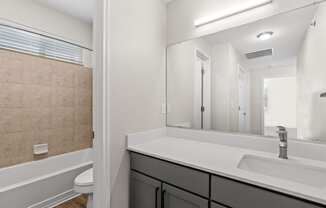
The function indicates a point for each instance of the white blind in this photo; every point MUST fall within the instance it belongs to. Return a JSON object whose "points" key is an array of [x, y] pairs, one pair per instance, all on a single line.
{"points": [[28, 42]]}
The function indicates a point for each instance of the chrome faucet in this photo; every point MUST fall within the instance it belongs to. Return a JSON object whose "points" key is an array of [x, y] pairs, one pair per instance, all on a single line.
{"points": [[283, 147]]}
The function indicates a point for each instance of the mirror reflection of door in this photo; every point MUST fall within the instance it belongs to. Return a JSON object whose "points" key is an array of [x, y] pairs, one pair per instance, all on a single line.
{"points": [[243, 100], [202, 91]]}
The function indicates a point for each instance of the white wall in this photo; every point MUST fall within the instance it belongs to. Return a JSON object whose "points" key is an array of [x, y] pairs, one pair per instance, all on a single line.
{"points": [[138, 40], [32, 16], [183, 13], [256, 92], [312, 80], [180, 76], [281, 103], [225, 100]]}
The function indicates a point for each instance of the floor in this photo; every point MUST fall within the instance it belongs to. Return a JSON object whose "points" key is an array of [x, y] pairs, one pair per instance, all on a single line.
{"points": [[79, 202]]}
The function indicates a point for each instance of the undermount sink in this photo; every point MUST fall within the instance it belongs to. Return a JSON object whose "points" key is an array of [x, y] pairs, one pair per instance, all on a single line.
{"points": [[285, 169]]}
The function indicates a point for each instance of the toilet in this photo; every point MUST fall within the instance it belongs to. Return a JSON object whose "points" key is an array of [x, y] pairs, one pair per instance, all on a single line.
{"points": [[84, 184]]}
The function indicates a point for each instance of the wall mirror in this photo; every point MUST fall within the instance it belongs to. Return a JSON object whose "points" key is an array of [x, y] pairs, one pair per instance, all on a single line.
{"points": [[252, 78]]}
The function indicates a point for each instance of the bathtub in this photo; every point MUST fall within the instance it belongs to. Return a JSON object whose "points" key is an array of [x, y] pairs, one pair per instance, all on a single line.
{"points": [[42, 183]]}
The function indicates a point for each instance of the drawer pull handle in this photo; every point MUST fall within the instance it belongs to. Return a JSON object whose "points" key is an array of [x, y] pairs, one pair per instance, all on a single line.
{"points": [[163, 198], [156, 195]]}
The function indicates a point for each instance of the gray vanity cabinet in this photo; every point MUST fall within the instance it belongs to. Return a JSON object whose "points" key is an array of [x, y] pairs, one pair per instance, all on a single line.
{"points": [[239, 195], [189, 179], [145, 192], [156, 183], [176, 198]]}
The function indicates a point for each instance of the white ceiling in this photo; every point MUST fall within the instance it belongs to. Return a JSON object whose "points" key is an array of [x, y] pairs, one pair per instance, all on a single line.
{"points": [[289, 32], [81, 9]]}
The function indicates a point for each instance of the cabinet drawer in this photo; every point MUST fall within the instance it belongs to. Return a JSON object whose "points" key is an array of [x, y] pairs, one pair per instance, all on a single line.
{"points": [[214, 205], [186, 178], [240, 195]]}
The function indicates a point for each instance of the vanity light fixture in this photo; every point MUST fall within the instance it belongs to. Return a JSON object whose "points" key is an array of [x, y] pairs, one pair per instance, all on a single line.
{"points": [[265, 35], [253, 4]]}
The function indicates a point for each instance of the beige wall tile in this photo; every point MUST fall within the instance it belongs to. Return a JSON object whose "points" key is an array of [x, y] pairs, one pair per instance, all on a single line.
{"points": [[33, 136], [11, 120], [42, 101], [84, 78], [45, 71], [11, 68], [84, 116], [30, 119], [83, 136], [35, 119], [11, 95], [62, 141], [63, 117], [14, 149], [63, 97], [45, 121], [83, 97], [30, 72], [3, 72], [15, 68], [37, 96], [64, 75]]}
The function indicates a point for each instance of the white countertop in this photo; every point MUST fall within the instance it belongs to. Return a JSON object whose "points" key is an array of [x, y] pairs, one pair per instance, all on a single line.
{"points": [[220, 160]]}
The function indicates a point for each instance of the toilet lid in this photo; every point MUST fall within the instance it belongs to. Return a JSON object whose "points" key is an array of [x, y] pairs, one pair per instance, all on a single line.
{"points": [[85, 178]]}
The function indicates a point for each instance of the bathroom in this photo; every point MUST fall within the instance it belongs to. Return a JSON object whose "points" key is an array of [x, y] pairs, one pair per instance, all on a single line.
{"points": [[162, 104], [45, 100]]}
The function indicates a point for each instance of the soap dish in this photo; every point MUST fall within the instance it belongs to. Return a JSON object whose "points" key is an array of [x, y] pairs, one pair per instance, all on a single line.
{"points": [[40, 149]]}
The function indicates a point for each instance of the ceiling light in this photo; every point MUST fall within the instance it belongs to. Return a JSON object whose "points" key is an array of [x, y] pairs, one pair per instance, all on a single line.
{"points": [[265, 35], [253, 4]]}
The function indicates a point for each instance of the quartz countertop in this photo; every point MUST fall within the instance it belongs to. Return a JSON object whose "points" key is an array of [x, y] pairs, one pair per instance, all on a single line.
{"points": [[221, 160]]}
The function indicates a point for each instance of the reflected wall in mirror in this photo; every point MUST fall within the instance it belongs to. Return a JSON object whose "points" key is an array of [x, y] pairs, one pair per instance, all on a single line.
{"points": [[252, 78]]}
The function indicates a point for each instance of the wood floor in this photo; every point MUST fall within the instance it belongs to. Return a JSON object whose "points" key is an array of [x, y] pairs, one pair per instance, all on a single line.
{"points": [[79, 202]]}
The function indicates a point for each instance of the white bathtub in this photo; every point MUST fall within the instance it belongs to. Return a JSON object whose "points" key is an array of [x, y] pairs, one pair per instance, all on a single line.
{"points": [[44, 182]]}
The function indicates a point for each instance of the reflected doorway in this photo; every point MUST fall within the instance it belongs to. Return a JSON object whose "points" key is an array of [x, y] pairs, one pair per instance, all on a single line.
{"points": [[202, 91], [244, 96]]}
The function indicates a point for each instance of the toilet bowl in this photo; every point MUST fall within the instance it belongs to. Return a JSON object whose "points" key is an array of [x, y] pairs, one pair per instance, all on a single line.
{"points": [[84, 184]]}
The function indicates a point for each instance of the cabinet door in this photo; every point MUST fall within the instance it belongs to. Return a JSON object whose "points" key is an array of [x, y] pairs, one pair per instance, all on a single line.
{"points": [[145, 192], [176, 198], [186, 178]]}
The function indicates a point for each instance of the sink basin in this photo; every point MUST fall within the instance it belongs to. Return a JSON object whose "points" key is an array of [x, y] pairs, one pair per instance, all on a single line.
{"points": [[285, 169]]}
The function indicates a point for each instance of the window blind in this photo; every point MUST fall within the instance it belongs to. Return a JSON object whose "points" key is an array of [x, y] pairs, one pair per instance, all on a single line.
{"points": [[36, 44]]}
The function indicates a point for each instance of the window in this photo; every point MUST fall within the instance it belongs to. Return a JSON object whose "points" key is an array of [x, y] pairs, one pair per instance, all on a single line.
{"points": [[36, 44]]}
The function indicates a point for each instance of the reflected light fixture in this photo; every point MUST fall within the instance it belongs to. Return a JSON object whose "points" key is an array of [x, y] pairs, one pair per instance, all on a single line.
{"points": [[253, 4], [265, 35]]}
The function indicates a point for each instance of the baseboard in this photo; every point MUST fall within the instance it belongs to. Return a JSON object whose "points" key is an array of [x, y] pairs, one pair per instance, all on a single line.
{"points": [[56, 200]]}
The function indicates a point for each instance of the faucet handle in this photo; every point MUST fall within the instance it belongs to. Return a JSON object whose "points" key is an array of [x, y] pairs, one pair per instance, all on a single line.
{"points": [[282, 132], [281, 129]]}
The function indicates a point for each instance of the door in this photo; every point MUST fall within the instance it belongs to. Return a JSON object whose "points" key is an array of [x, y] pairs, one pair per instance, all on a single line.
{"points": [[176, 198], [202, 92], [243, 100], [145, 192]]}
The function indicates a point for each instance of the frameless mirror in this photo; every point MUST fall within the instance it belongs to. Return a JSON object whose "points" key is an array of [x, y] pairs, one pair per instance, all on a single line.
{"points": [[254, 77]]}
